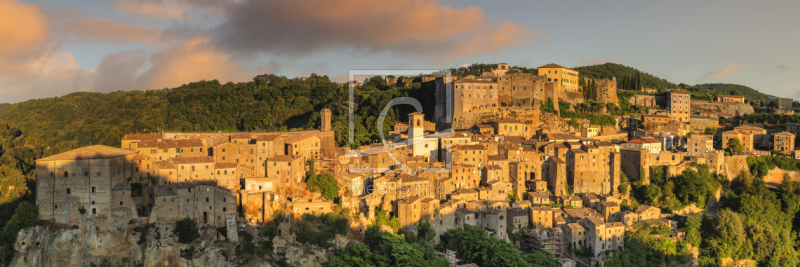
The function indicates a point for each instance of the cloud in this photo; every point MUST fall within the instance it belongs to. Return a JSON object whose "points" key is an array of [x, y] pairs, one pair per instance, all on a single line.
{"points": [[110, 31], [419, 27], [23, 28], [728, 70], [196, 59], [170, 9], [120, 71]]}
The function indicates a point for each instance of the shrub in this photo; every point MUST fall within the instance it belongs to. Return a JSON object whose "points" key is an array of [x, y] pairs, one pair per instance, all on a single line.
{"points": [[187, 230]]}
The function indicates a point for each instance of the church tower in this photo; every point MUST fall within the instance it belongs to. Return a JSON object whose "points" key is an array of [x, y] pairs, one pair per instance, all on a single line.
{"points": [[325, 115]]}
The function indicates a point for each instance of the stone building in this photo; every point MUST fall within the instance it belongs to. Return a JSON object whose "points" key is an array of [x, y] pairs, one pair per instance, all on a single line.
{"points": [[699, 145], [130, 141], [574, 235], [699, 124], [784, 142], [602, 236], [541, 217], [750, 136], [493, 221], [591, 168], [81, 178], [509, 127], [305, 147], [730, 98], [611, 211], [288, 170], [679, 105], [520, 89], [517, 219], [563, 76]]}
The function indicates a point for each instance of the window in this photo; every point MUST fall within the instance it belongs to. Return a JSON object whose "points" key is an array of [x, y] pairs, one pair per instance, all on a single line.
{"points": [[68, 192], [94, 189], [207, 200]]}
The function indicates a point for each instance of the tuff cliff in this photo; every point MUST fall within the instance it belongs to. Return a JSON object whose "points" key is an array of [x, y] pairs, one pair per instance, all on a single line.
{"points": [[92, 243]]}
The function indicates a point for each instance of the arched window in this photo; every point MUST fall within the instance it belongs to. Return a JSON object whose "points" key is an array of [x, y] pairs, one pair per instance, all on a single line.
{"points": [[417, 122]]}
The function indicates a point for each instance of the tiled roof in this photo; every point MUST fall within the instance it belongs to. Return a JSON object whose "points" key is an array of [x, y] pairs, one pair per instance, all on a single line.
{"points": [[90, 152], [241, 136], [192, 160], [561, 136], [162, 190], [680, 92], [121, 186], [165, 164], [224, 165], [183, 185], [471, 147], [267, 137], [142, 137], [180, 143], [553, 66], [731, 96], [497, 157], [505, 120]]}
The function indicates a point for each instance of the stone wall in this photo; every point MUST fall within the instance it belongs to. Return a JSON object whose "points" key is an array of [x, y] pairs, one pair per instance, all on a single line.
{"points": [[734, 165], [726, 108]]}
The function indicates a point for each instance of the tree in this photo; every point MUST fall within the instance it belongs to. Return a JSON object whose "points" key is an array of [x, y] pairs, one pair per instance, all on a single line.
{"points": [[729, 232], [24, 217], [474, 245], [623, 184], [187, 230], [326, 183], [710, 130], [425, 231], [735, 146]]}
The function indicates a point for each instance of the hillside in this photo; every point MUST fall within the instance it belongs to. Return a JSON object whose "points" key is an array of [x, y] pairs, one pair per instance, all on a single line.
{"points": [[725, 89], [608, 70], [4, 107], [702, 91], [268, 103]]}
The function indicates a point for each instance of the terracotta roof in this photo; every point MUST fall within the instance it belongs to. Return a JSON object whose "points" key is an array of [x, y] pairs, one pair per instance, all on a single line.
{"points": [[224, 165], [411, 199], [471, 147], [142, 137], [561, 136], [144, 144], [192, 160], [784, 133], [267, 137], [679, 92], [281, 158], [121, 186], [90, 152], [749, 128], [732, 96], [497, 157], [644, 208], [241, 136], [165, 164], [553, 66], [485, 126], [177, 143], [305, 137], [505, 120]]}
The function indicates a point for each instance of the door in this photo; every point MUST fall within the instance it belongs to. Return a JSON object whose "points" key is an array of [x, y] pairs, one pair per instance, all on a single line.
{"points": [[205, 216]]}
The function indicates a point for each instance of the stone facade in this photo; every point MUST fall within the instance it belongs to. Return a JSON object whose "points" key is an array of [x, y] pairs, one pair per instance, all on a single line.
{"points": [[679, 105]]}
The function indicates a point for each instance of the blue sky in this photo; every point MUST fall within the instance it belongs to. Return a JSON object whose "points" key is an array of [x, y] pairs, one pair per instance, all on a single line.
{"points": [[102, 46]]}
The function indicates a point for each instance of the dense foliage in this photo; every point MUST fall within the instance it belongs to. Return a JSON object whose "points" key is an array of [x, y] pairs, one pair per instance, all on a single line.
{"points": [[320, 230], [759, 118], [708, 90], [474, 245], [676, 192], [385, 249], [608, 70], [325, 183], [761, 165], [187, 230], [266, 103], [649, 245]]}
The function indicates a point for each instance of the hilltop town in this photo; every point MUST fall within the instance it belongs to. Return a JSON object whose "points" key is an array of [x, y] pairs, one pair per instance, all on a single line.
{"points": [[507, 152]]}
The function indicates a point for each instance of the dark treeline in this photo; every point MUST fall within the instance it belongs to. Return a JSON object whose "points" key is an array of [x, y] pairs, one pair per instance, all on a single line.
{"points": [[635, 79], [268, 103]]}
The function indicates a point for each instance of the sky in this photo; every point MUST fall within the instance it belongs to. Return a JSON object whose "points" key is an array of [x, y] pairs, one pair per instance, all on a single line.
{"points": [[53, 48]]}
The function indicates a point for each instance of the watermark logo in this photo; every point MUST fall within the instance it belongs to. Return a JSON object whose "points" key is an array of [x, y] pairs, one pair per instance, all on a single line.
{"points": [[418, 144]]}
